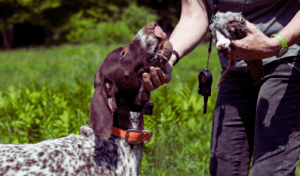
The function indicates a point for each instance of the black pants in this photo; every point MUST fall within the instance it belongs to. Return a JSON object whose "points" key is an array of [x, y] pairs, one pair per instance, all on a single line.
{"points": [[261, 120]]}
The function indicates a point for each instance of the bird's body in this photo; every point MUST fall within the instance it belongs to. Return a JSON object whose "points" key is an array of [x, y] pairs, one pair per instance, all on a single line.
{"points": [[232, 26]]}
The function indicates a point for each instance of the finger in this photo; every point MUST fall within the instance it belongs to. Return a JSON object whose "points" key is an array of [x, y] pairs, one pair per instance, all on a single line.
{"points": [[236, 43], [166, 71], [155, 79], [147, 82], [162, 76], [250, 26]]}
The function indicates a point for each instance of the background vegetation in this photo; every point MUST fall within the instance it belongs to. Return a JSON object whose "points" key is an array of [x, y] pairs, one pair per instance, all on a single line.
{"points": [[78, 21], [45, 92]]}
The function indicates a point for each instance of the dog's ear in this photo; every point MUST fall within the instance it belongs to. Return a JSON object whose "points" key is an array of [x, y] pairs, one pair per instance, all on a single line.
{"points": [[103, 106]]}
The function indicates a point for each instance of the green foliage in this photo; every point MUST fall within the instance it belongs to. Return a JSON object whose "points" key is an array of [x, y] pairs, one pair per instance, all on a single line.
{"points": [[181, 133], [53, 65], [40, 99], [121, 28], [167, 11], [36, 113], [80, 21], [181, 141]]}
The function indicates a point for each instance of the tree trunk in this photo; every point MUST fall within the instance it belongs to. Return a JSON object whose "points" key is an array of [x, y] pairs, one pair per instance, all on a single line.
{"points": [[3, 34]]}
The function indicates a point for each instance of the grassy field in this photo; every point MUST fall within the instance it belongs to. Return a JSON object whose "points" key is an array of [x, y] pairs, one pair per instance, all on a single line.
{"points": [[45, 93], [56, 65]]}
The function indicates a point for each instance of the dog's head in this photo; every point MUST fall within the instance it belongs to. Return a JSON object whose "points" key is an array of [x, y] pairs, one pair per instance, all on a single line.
{"points": [[119, 77]]}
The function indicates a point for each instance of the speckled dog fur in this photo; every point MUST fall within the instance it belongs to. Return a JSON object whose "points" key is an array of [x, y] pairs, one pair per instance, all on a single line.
{"points": [[73, 155]]}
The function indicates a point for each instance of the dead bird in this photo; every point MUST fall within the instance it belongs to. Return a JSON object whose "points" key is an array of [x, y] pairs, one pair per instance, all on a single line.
{"points": [[232, 26]]}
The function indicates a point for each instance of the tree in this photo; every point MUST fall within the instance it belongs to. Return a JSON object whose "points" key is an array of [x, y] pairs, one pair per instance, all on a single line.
{"points": [[70, 19]]}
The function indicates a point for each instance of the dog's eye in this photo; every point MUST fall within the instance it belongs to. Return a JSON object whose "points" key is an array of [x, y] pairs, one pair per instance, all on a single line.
{"points": [[123, 53]]}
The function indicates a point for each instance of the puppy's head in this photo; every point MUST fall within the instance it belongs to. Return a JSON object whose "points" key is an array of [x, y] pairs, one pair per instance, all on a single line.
{"points": [[119, 77]]}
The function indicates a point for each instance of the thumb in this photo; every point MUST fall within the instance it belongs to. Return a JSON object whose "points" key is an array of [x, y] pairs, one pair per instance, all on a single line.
{"points": [[251, 29], [250, 26], [236, 43]]}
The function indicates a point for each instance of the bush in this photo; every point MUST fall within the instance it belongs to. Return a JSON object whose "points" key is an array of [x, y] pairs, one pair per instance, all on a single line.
{"points": [[36, 113], [180, 144], [181, 133], [120, 28]]}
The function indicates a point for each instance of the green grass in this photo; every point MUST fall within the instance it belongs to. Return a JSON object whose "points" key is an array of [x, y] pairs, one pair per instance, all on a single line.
{"points": [[40, 99], [56, 65], [51, 65]]}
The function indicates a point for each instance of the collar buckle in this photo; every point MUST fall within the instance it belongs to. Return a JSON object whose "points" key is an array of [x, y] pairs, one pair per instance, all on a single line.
{"points": [[137, 131]]}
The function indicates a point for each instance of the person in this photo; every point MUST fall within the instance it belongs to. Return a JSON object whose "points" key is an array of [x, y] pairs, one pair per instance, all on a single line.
{"points": [[259, 120]]}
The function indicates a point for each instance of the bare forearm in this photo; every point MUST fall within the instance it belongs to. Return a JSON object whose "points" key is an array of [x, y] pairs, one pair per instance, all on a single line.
{"points": [[191, 28], [291, 33], [259, 46]]}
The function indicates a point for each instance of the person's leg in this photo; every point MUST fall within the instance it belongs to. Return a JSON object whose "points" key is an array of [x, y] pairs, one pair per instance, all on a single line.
{"points": [[233, 126], [277, 124]]}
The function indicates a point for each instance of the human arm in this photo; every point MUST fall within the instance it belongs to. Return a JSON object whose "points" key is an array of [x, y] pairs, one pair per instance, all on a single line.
{"points": [[191, 29], [188, 33], [259, 46]]}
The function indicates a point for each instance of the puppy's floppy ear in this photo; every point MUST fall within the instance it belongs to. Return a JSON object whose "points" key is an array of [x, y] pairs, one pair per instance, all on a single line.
{"points": [[103, 105]]}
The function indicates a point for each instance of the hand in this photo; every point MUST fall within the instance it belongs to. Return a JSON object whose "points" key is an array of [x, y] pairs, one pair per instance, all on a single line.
{"points": [[255, 45], [158, 76]]}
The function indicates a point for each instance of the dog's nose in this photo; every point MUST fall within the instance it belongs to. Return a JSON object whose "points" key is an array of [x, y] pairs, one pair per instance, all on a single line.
{"points": [[152, 25]]}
